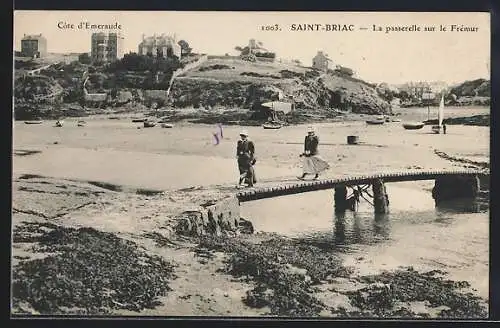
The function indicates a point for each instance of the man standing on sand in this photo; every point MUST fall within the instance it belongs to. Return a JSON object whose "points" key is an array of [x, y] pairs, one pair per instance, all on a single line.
{"points": [[245, 151], [313, 163]]}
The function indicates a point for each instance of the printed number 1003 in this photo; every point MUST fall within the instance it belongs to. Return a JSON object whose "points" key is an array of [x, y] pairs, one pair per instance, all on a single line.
{"points": [[274, 27]]}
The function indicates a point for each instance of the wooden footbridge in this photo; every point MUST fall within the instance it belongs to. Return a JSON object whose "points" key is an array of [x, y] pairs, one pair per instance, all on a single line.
{"points": [[449, 185]]}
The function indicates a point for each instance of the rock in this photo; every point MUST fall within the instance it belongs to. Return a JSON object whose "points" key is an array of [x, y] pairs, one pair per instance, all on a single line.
{"points": [[245, 226], [217, 219]]}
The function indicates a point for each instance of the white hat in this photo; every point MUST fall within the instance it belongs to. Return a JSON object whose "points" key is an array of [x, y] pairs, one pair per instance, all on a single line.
{"points": [[310, 129], [244, 133]]}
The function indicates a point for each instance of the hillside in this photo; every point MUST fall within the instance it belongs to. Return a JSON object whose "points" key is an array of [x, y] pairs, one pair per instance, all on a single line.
{"points": [[474, 88], [476, 92], [228, 83], [236, 83]]}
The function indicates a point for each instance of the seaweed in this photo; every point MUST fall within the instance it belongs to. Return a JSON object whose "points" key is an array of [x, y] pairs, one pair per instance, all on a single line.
{"points": [[410, 285], [285, 291], [88, 272]]}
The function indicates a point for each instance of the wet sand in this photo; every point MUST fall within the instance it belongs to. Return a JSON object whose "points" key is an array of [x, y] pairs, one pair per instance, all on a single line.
{"points": [[117, 152]]}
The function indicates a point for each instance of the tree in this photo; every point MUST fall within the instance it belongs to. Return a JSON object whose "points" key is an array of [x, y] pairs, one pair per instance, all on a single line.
{"points": [[243, 50], [84, 58], [185, 49], [404, 95]]}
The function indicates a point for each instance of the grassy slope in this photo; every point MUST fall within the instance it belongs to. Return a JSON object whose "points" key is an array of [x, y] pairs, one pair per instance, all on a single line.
{"points": [[241, 66]]}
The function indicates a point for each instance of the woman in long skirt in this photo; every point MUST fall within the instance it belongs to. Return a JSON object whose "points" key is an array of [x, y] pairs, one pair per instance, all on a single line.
{"points": [[313, 163]]}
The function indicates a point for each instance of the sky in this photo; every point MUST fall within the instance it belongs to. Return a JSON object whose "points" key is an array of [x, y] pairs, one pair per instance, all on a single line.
{"points": [[376, 56]]}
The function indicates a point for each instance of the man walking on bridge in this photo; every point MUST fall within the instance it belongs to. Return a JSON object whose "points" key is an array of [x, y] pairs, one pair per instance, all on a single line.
{"points": [[313, 163], [245, 151]]}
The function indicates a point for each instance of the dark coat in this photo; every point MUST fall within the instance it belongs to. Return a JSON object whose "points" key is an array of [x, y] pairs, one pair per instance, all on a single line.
{"points": [[311, 144], [245, 150]]}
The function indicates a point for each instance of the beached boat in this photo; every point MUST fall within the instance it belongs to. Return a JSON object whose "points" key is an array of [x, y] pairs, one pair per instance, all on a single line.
{"points": [[138, 120], [395, 120], [149, 124], [81, 123], [167, 125], [273, 126], [437, 128], [33, 122], [59, 124], [413, 125], [376, 121], [165, 119]]}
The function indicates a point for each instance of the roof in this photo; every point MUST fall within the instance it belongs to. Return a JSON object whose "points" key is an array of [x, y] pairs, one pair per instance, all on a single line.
{"points": [[322, 54], [96, 96], [155, 93], [34, 37], [160, 40]]}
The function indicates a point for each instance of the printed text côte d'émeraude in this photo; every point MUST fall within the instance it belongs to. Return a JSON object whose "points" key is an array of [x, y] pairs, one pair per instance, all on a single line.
{"points": [[89, 26]]}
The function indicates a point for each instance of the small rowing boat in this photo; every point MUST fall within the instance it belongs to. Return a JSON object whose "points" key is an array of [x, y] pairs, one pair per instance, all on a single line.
{"points": [[149, 124], [138, 120], [273, 126], [413, 125], [33, 122], [81, 123], [59, 124], [167, 125], [375, 122]]}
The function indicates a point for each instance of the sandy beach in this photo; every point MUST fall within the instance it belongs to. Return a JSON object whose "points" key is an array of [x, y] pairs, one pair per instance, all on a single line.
{"points": [[162, 161]]}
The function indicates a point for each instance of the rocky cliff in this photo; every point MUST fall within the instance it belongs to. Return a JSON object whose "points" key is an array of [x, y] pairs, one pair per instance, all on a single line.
{"points": [[239, 84]]}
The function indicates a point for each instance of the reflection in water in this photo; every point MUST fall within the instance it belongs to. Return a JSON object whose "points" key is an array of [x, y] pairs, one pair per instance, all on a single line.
{"points": [[339, 232], [463, 206], [366, 228], [381, 225], [357, 235]]}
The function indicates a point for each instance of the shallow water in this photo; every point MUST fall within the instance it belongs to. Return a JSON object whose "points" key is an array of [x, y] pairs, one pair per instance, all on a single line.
{"points": [[415, 233]]}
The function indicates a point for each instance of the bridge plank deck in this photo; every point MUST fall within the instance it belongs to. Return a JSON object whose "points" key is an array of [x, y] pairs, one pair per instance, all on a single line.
{"points": [[270, 189]]}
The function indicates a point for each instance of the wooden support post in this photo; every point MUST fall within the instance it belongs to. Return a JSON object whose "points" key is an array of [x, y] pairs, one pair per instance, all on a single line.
{"points": [[380, 198], [340, 198], [448, 188]]}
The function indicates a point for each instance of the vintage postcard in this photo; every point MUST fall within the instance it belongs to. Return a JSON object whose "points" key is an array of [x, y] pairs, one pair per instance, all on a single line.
{"points": [[256, 164]]}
